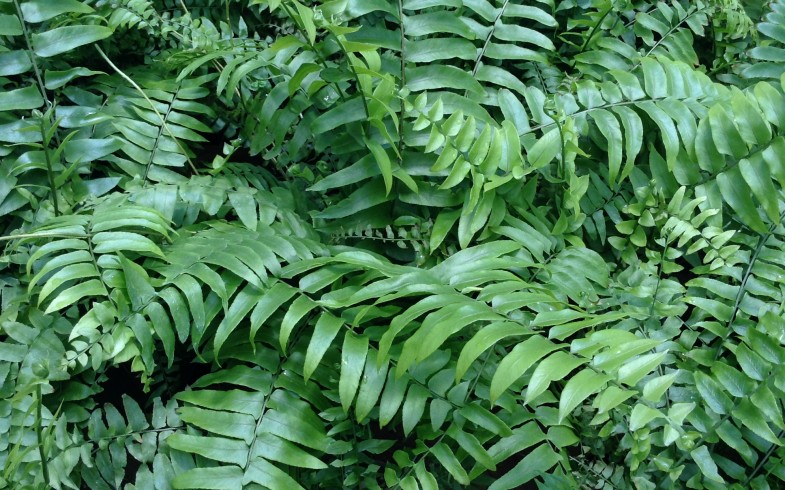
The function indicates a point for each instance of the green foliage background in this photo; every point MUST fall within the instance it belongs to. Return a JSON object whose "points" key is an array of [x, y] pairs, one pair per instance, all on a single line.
{"points": [[378, 243]]}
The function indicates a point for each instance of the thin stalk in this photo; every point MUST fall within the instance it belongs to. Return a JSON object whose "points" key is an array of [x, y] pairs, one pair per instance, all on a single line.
{"points": [[402, 113], [403, 38], [762, 461], [594, 31], [31, 54], [228, 17], [592, 109], [479, 373], [697, 442], [660, 369], [670, 31], [39, 434], [49, 104], [158, 138], [743, 288], [562, 164], [356, 77], [152, 105], [659, 280], [41, 235], [487, 42], [49, 167], [316, 53]]}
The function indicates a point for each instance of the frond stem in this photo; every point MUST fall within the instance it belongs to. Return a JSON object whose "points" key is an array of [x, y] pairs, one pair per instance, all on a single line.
{"points": [[158, 138], [487, 42], [402, 113], [762, 461], [594, 31], [355, 75], [670, 31], [152, 106], [39, 433], [31, 54], [762, 239], [49, 168], [316, 53]]}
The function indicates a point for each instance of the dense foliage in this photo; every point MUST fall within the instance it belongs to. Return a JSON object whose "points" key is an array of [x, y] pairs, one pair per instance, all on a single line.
{"points": [[379, 243]]}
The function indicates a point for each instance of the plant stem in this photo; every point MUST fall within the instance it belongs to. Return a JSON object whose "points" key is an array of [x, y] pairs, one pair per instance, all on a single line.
{"points": [[762, 239], [49, 168], [41, 235], [594, 31], [402, 113], [49, 104], [39, 434], [355, 75], [152, 106], [316, 52], [487, 42], [762, 461], [31, 54]]}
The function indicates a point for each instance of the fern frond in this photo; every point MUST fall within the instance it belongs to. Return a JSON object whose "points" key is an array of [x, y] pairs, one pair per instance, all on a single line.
{"points": [[768, 54]]}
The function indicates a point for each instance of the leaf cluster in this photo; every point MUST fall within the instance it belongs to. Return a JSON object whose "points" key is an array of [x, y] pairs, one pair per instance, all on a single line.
{"points": [[408, 244]]}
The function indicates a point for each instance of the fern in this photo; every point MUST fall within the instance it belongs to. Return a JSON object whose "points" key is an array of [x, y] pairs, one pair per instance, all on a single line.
{"points": [[391, 244], [769, 50]]}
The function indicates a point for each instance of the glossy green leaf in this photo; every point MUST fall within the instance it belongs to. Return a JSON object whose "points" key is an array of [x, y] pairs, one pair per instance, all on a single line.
{"points": [[544, 150], [353, 354], [670, 136], [554, 368], [279, 294], [610, 129], [753, 418], [578, 388], [14, 62], [116, 241], [740, 199], [247, 299], [518, 361], [250, 403], [433, 49], [40, 10], [534, 464], [706, 463], [642, 415], [712, 393], [21, 99], [392, 397], [209, 478], [485, 419], [726, 135], [481, 341], [73, 294], [655, 388], [371, 385], [10, 25], [440, 76], [756, 174], [413, 407], [63, 39], [447, 458], [367, 196], [215, 448], [383, 161], [68, 273], [342, 114], [326, 329], [633, 371], [297, 310], [274, 448]]}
